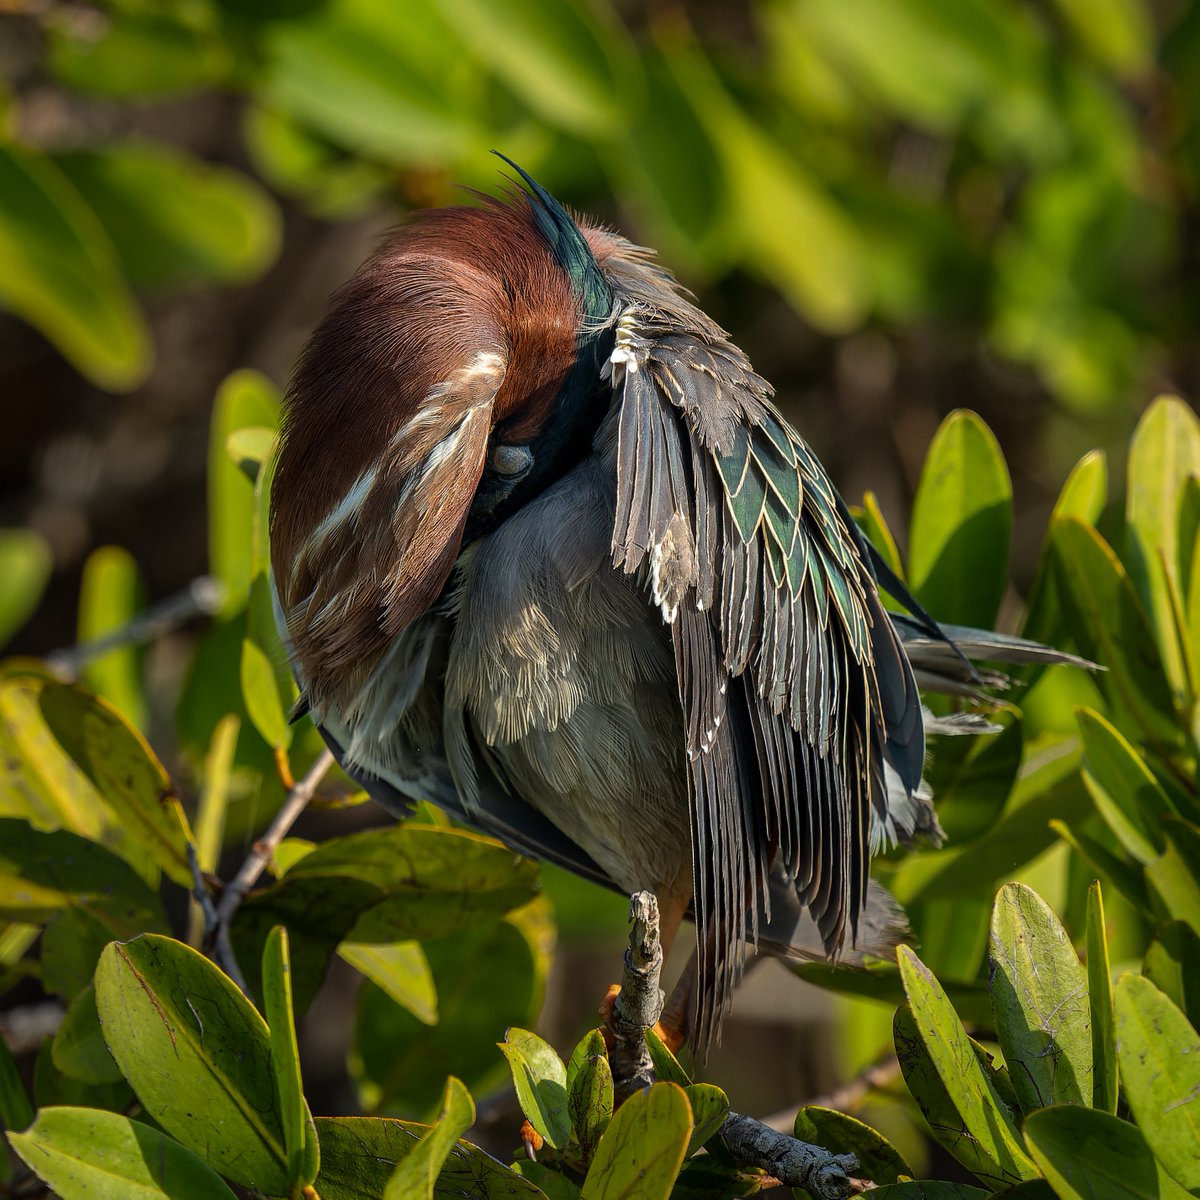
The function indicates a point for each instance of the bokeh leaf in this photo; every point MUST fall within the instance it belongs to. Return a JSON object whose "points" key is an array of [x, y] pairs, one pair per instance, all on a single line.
{"points": [[110, 594], [25, 565]]}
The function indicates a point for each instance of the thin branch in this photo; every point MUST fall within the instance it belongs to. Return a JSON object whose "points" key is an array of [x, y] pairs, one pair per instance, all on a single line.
{"points": [[640, 1001], [847, 1098], [201, 598], [256, 862]]}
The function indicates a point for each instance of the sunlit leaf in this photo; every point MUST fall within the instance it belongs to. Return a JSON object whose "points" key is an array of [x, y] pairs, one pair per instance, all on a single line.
{"points": [[417, 1175], [401, 970], [589, 1092], [540, 1080], [1091, 1155], [1040, 997], [25, 565], [87, 1154], [110, 594], [160, 1001], [961, 524], [1160, 1072], [1100, 1000], [640, 1154]]}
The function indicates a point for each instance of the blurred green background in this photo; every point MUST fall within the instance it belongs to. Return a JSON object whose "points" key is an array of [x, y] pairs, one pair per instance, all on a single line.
{"points": [[897, 207]]}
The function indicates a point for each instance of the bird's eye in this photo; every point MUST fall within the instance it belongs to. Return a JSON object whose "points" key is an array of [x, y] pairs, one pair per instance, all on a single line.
{"points": [[511, 460]]}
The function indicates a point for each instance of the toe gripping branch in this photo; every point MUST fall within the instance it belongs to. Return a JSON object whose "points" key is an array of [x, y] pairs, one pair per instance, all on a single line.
{"points": [[638, 1006]]}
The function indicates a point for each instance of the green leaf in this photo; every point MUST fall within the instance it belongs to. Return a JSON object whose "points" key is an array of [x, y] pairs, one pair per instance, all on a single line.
{"points": [[1126, 793], [15, 1110], [174, 219], [110, 594], [589, 1092], [1160, 1070], [58, 271], [878, 1159], [25, 565], [1091, 1155], [43, 874], [211, 809], [71, 947], [136, 52], [1127, 877], [984, 1116], [1100, 1001], [162, 1002], [640, 1154], [666, 1065], [1111, 628], [486, 976], [245, 398], [124, 770], [540, 1079], [1118, 33], [961, 524], [267, 689], [416, 1176], [249, 448], [1175, 877], [401, 969], [928, 1189], [570, 62], [87, 1154], [1172, 964], [1164, 453], [710, 1107], [300, 1137], [358, 1155], [78, 1048], [1040, 998]]}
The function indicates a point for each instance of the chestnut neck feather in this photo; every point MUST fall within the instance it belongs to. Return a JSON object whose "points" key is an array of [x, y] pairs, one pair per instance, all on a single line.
{"points": [[461, 321]]}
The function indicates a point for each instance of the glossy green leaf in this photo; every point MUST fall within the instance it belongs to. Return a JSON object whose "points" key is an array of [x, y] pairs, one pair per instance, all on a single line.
{"points": [[589, 1092], [640, 1154], [110, 594], [569, 62], [245, 398], [124, 770], [983, 1114], [540, 1078], [486, 976], [710, 1107], [25, 565], [1164, 453], [961, 524], [878, 1159], [78, 1048], [1126, 793], [358, 1155], [666, 1066], [174, 219], [1092, 1155], [401, 970], [1100, 1001], [87, 1154], [160, 1001], [136, 52], [1111, 628], [300, 1138], [1040, 998], [1172, 964], [416, 1176], [58, 270], [1160, 1069], [43, 874], [15, 1110]]}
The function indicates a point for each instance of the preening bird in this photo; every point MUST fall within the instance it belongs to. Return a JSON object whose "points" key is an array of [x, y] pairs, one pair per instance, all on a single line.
{"points": [[546, 554]]}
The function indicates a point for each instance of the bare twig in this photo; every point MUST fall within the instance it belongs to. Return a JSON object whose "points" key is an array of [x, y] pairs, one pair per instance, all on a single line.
{"points": [[640, 1000], [256, 862], [798, 1164], [201, 598], [847, 1098]]}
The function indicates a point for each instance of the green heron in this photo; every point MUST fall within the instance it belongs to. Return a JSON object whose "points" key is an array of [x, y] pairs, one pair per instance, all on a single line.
{"points": [[546, 554]]}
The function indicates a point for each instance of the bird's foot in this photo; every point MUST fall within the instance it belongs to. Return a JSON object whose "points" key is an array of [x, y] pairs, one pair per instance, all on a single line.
{"points": [[671, 1032]]}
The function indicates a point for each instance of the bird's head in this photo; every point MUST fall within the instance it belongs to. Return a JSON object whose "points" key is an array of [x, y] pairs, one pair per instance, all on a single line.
{"points": [[452, 378]]}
